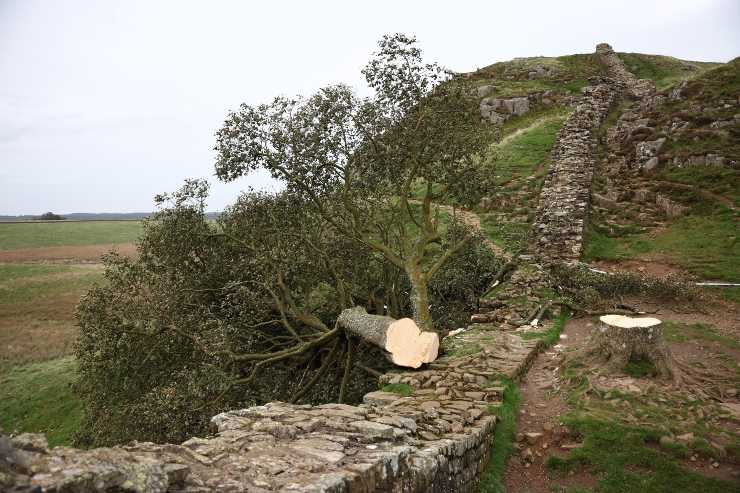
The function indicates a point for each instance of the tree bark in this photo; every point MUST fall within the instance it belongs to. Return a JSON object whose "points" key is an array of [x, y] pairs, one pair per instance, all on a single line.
{"points": [[402, 339], [619, 339], [420, 299]]}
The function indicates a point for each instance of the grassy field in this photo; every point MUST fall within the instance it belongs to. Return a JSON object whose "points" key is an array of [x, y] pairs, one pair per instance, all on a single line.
{"points": [[37, 327], [36, 309], [37, 332], [34, 235], [38, 398]]}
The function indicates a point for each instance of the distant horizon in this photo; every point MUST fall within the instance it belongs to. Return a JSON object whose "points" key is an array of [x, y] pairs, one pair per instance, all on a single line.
{"points": [[64, 214]]}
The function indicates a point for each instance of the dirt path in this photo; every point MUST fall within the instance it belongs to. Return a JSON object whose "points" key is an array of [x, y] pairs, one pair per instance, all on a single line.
{"points": [[539, 432], [473, 220]]}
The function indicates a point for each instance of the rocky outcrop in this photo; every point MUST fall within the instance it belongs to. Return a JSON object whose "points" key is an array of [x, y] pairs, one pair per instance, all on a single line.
{"points": [[498, 110]]}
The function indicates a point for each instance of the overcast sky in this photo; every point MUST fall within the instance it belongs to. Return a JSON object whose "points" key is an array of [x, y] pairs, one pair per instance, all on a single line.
{"points": [[104, 104]]}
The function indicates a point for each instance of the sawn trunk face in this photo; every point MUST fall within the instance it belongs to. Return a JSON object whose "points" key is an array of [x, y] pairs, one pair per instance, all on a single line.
{"points": [[402, 340]]}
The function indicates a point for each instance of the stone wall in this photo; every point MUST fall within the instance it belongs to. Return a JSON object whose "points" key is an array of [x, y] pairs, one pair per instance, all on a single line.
{"points": [[565, 198], [435, 440], [615, 69]]}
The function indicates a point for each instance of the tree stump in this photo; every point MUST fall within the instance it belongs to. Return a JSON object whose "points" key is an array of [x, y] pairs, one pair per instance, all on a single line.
{"points": [[405, 344], [619, 339]]}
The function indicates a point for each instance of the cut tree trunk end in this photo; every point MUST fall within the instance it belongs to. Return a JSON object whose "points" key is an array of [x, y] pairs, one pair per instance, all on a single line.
{"points": [[402, 339], [619, 339]]}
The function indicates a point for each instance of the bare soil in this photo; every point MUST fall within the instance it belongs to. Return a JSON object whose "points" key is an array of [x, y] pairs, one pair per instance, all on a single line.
{"points": [[650, 268], [37, 330], [84, 253], [542, 406]]}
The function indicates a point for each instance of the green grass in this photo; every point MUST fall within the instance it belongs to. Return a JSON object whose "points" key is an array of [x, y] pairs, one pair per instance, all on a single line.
{"points": [[12, 272], [664, 70], [731, 294], [719, 180], [511, 78], [706, 245], [511, 236], [533, 118], [627, 459], [600, 246], [502, 445], [31, 282], [678, 332], [521, 155], [33, 235], [38, 398]]}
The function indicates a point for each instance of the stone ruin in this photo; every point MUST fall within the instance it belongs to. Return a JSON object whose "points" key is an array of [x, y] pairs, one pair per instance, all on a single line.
{"points": [[437, 439]]}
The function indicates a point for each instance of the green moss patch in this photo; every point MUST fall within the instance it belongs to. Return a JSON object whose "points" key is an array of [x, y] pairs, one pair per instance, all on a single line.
{"points": [[402, 389]]}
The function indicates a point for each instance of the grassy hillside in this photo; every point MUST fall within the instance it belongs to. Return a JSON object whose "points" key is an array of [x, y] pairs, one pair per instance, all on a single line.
{"points": [[569, 73], [696, 119], [519, 164], [664, 70]]}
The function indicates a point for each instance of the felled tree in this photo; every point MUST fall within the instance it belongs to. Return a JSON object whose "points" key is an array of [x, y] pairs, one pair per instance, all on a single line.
{"points": [[248, 309], [213, 316], [380, 161]]}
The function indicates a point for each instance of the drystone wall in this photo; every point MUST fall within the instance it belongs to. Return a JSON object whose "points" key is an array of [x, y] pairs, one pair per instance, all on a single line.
{"points": [[564, 200], [614, 67], [565, 197], [435, 440]]}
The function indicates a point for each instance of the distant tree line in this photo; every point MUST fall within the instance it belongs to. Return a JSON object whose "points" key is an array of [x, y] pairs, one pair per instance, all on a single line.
{"points": [[49, 216]]}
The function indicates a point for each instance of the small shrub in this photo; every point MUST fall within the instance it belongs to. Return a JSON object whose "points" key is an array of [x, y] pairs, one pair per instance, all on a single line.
{"points": [[588, 288]]}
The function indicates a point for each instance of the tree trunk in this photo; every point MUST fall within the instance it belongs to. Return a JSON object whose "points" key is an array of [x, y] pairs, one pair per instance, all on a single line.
{"points": [[405, 344], [420, 298], [619, 339]]}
